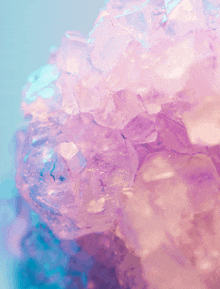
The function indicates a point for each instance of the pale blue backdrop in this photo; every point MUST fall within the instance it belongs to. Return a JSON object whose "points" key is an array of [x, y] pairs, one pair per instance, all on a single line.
{"points": [[28, 29]]}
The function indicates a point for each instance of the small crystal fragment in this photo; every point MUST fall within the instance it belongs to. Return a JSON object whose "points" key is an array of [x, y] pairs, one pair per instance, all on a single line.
{"points": [[96, 206], [68, 150]]}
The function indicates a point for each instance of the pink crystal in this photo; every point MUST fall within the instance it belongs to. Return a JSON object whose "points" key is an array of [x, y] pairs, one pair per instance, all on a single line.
{"points": [[124, 139]]}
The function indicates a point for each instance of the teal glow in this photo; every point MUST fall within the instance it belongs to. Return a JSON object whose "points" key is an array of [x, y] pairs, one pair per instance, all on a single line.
{"points": [[91, 40], [46, 93], [32, 97], [41, 78], [84, 278], [164, 18], [171, 4], [53, 49], [101, 20], [49, 155], [34, 218], [26, 156]]}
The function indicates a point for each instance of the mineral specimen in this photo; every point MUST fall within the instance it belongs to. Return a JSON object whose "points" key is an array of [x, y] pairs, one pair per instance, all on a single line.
{"points": [[124, 137]]}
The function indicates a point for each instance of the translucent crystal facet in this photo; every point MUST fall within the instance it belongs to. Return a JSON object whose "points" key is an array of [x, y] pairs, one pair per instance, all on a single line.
{"points": [[124, 137]]}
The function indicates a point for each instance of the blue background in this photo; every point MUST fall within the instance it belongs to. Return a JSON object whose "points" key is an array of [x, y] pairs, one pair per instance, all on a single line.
{"points": [[27, 30]]}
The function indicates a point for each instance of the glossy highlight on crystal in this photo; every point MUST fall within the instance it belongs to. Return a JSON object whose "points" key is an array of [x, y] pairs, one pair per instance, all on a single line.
{"points": [[123, 144]]}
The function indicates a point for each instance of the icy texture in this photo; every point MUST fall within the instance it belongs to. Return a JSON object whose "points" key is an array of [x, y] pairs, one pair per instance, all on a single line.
{"points": [[70, 183], [43, 263], [124, 135]]}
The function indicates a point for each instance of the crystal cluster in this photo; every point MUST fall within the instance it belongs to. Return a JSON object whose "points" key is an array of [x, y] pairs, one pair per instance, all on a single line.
{"points": [[124, 135]]}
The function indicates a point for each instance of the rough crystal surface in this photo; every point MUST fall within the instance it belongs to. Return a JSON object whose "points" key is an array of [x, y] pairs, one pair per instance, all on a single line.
{"points": [[75, 174], [124, 136]]}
